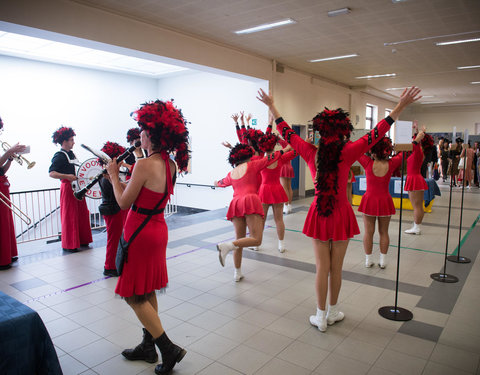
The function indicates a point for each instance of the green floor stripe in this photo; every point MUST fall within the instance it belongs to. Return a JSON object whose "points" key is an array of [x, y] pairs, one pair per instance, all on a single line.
{"points": [[375, 243], [466, 235]]}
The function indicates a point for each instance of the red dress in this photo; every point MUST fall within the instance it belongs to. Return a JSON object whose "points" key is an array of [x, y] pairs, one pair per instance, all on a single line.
{"points": [[146, 268], [287, 169], [415, 180], [8, 241], [245, 198], [341, 224], [271, 191], [377, 200]]}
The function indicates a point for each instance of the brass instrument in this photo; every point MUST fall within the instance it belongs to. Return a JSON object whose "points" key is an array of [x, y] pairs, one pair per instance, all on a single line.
{"points": [[18, 158], [15, 209]]}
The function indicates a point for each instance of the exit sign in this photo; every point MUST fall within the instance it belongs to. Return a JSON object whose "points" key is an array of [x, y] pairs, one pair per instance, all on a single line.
{"points": [[254, 121]]}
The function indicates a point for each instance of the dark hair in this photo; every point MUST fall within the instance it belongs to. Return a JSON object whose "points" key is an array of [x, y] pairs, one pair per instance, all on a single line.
{"points": [[62, 134], [239, 154], [383, 149], [253, 135], [267, 142], [112, 149], [166, 128], [334, 127], [132, 134]]}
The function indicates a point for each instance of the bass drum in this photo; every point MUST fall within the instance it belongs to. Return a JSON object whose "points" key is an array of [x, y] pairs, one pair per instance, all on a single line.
{"points": [[87, 171]]}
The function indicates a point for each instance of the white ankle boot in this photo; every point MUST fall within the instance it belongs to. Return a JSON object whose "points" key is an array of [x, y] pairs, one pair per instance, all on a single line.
{"points": [[368, 260], [254, 248], [285, 208], [319, 320], [333, 315], [414, 230], [237, 276], [223, 249], [382, 263], [281, 246]]}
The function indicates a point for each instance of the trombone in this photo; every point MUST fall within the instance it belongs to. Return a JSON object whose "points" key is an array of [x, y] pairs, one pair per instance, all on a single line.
{"points": [[18, 158], [15, 210]]}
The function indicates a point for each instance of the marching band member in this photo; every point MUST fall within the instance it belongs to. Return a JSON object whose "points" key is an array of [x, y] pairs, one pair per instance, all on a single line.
{"points": [[74, 214], [133, 135], [112, 213], [8, 242]]}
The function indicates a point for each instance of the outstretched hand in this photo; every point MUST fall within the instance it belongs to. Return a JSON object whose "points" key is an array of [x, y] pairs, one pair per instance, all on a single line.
{"points": [[113, 168], [265, 98], [410, 95], [242, 118], [227, 144], [235, 117]]}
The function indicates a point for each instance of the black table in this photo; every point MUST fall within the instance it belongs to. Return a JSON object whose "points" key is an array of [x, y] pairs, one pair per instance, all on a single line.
{"points": [[25, 345]]}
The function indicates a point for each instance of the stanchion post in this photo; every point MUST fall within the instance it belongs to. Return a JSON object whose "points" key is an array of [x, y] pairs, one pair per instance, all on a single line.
{"points": [[395, 312]]}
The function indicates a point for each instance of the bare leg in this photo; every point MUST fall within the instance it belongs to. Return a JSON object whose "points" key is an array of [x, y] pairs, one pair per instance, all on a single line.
{"points": [[240, 225], [339, 248], [287, 186], [322, 262], [349, 192], [278, 217], [265, 212], [369, 224], [416, 197], [148, 316], [383, 224], [255, 227]]}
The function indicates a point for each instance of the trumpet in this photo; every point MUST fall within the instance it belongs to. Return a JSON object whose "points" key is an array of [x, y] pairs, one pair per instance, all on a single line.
{"points": [[15, 209], [18, 158]]}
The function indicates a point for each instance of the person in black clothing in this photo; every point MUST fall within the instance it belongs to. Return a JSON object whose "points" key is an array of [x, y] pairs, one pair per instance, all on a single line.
{"points": [[133, 135], [74, 214], [454, 155], [445, 159], [113, 215]]}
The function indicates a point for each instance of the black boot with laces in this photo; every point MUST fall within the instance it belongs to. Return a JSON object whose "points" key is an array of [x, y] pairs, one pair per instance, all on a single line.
{"points": [[171, 354], [144, 351]]}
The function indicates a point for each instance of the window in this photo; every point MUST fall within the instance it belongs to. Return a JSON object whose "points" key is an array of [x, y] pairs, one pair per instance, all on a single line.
{"points": [[370, 116], [391, 132]]}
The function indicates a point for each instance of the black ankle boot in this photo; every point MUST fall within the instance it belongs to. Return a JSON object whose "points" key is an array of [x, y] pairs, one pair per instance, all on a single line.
{"points": [[171, 354], [144, 351]]}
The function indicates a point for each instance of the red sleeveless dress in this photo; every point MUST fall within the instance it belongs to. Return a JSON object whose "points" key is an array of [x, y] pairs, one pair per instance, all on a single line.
{"points": [[146, 268], [271, 191], [415, 180]]}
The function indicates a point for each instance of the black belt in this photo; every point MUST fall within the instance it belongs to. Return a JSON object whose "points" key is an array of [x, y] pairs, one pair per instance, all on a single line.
{"points": [[146, 211]]}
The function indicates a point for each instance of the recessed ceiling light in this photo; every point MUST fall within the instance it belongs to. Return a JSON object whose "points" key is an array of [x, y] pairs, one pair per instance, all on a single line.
{"points": [[431, 102], [395, 88], [377, 76], [427, 96], [266, 26], [475, 83], [458, 42], [398, 1], [468, 67], [335, 58], [338, 12]]}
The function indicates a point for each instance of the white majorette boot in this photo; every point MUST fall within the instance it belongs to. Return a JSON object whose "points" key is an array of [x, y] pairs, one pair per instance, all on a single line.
{"points": [[254, 248], [382, 263], [237, 276], [285, 208], [368, 260], [223, 249], [333, 315], [281, 246], [414, 230], [319, 320]]}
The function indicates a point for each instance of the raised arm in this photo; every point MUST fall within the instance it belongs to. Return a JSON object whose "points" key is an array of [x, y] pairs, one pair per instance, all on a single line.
{"points": [[364, 160], [306, 150], [396, 161], [353, 150]]}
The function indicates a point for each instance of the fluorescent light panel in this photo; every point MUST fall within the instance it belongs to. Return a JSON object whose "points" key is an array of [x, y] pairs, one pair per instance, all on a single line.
{"points": [[377, 76], [431, 102], [468, 67], [266, 26], [475, 83], [395, 88], [335, 58], [458, 42], [338, 12]]}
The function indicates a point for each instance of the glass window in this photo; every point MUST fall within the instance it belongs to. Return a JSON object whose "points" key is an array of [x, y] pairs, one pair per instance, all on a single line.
{"points": [[369, 114]]}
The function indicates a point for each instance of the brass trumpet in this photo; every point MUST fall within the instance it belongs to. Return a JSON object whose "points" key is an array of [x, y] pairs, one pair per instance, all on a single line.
{"points": [[18, 158], [15, 210]]}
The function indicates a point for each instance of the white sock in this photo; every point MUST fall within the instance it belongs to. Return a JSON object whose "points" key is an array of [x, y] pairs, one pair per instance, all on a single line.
{"points": [[382, 257]]}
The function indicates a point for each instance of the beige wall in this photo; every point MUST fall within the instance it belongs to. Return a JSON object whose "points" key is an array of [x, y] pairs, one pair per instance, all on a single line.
{"points": [[443, 119]]}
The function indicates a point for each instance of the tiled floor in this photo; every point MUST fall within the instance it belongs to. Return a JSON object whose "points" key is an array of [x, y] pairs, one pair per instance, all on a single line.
{"points": [[260, 325]]}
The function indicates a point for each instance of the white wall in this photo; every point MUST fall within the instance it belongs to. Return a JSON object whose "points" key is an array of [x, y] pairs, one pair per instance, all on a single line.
{"points": [[207, 102], [37, 98]]}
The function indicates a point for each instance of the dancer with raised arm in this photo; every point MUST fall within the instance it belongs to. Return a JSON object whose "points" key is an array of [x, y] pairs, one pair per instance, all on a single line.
{"points": [[330, 220], [377, 203], [245, 209]]}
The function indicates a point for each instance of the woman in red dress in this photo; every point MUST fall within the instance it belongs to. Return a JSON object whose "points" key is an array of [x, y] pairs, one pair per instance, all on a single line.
{"points": [[145, 271], [8, 241], [330, 220], [377, 203], [415, 183], [271, 192], [245, 209]]}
